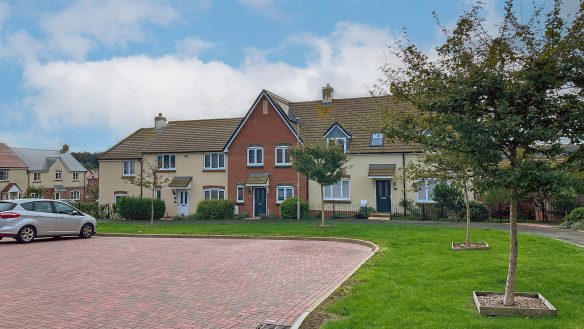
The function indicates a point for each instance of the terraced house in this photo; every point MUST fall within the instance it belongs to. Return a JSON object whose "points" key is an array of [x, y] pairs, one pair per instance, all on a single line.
{"points": [[53, 174], [247, 159]]}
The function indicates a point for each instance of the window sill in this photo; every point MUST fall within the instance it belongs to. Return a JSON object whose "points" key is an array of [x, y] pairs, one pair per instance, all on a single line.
{"points": [[58, 180], [239, 202], [283, 166], [128, 177], [255, 166], [167, 170], [214, 170]]}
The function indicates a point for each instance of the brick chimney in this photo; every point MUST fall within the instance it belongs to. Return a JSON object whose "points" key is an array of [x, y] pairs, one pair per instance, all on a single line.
{"points": [[65, 149], [159, 123], [327, 94]]}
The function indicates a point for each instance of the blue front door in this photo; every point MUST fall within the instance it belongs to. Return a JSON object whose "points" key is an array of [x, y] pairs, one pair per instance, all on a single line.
{"points": [[259, 201], [383, 193]]}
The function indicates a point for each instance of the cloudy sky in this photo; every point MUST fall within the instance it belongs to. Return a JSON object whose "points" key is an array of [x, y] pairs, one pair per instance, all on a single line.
{"points": [[88, 73]]}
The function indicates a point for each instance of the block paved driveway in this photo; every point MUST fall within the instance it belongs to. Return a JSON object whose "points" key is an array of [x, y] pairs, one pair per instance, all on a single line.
{"points": [[114, 282]]}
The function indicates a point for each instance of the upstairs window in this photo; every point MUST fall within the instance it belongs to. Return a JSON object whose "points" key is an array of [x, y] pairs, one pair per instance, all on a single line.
{"points": [[75, 176], [3, 174], [214, 161], [338, 191], [338, 141], [58, 175], [426, 190], [36, 176], [283, 156], [166, 162], [376, 139], [129, 168], [255, 156]]}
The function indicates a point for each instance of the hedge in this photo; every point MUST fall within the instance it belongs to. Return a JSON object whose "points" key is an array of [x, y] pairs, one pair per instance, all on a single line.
{"points": [[575, 220], [215, 209], [135, 208], [289, 206]]}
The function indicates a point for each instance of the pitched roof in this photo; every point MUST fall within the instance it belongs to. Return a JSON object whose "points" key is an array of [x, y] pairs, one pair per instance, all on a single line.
{"points": [[130, 147], [9, 188], [209, 135], [9, 159], [180, 181], [43, 160], [257, 179], [359, 116]]}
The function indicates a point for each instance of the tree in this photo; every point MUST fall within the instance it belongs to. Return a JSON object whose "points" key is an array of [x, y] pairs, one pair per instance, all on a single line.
{"points": [[87, 159], [325, 165], [509, 98], [151, 179]]}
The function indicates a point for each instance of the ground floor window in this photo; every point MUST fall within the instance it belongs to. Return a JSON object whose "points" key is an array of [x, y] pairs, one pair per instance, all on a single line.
{"points": [[75, 195], [338, 191], [158, 194], [426, 189], [214, 193], [118, 196], [240, 194], [283, 193]]}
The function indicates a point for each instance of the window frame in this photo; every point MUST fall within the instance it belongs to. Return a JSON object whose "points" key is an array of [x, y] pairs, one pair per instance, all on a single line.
{"points": [[36, 176], [119, 195], [255, 149], [5, 176], [131, 165], [331, 198], [211, 190], [58, 175], [55, 194], [160, 161], [237, 199], [211, 155], [428, 195], [285, 188], [285, 152], [344, 139], [379, 138], [72, 196], [75, 176]]}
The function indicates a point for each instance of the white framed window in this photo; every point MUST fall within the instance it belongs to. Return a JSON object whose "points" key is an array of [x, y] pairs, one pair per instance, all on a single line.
{"points": [[3, 174], [283, 193], [283, 156], [118, 196], [240, 195], [58, 175], [166, 161], [341, 190], [129, 168], [214, 161], [36, 176], [158, 194], [426, 186], [57, 196], [75, 176], [214, 193], [376, 139], [255, 156], [75, 195], [338, 141]]}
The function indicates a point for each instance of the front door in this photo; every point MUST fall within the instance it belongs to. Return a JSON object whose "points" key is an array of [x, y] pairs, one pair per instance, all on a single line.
{"points": [[383, 193], [259, 201], [183, 203]]}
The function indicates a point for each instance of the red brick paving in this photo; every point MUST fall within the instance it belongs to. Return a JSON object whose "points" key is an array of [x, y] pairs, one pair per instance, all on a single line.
{"points": [[167, 283]]}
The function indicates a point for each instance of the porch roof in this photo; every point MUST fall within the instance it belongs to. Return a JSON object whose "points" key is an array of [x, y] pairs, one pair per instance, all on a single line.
{"points": [[257, 179], [11, 188], [180, 181], [381, 170]]}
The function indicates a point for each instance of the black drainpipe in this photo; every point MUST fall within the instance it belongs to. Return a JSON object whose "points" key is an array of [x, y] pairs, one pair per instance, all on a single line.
{"points": [[404, 180]]}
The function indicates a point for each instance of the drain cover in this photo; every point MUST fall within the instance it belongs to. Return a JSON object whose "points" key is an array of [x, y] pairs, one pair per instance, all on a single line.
{"points": [[272, 326]]}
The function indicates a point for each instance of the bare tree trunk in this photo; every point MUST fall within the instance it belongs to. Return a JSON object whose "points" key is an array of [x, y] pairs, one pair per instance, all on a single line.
{"points": [[466, 203], [152, 209], [509, 299], [322, 206]]}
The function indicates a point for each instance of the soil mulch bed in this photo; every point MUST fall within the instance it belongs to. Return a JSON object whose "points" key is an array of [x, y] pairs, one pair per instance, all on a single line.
{"points": [[496, 300], [473, 246]]}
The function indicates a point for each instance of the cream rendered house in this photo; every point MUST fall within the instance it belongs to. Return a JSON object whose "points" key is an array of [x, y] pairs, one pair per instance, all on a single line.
{"points": [[13, 174], [188, 153]]}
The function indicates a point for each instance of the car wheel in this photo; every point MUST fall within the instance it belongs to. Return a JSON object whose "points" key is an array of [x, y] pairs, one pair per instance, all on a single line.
{"points": [[26, 234], [86, 231]]}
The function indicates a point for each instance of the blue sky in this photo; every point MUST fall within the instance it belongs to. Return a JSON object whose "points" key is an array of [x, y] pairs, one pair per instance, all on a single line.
{"points": [[88, 73]]}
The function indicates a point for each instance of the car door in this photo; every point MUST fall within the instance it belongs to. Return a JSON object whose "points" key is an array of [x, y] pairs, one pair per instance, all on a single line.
{"points": [[67, 221], [44, 216]]}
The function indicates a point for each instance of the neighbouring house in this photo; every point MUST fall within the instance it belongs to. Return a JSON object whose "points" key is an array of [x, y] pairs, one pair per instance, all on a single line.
{"points": [[189, 153], [247, 159], [13, 174], [92, 184], [53, 174]]}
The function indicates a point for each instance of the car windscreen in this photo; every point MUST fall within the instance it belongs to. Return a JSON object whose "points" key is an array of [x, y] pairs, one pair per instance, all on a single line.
{"points": [[5, 206]]}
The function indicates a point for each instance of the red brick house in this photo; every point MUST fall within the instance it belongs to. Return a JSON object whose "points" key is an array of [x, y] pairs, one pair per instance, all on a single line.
{"points": [[260, 174]]}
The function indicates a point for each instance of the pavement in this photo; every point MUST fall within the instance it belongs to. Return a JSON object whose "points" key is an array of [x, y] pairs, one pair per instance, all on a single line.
{"points": [[120, 282], [548, 230]]}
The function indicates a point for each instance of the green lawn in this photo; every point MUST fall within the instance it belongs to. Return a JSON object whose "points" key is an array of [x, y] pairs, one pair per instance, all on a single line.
{"points": [[416, 281]]}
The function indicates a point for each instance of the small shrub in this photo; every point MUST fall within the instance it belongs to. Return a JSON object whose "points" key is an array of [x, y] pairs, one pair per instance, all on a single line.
{"points": [[579, 225], [364, 213], [215, 209], [478, 211], [574, 219], [288, 208], [340, 215], [447, 196], [135, 208]]}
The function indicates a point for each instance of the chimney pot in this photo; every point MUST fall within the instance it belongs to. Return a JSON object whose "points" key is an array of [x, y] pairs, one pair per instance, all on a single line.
{"points": [[159, 123], [327, 94]]}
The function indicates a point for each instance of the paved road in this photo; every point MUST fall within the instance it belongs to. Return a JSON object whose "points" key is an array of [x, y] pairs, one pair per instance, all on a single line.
{"points": [[551, 231], [107, 282]]}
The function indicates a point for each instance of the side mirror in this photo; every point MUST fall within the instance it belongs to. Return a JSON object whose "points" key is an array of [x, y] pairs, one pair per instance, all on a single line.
{"points": [[75, 213]]}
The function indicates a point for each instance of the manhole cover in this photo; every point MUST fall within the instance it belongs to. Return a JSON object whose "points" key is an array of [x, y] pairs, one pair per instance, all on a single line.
{"points": [[272, 326]]}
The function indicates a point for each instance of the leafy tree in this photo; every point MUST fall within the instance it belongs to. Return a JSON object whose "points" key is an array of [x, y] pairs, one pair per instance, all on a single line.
{"points": [[87, 159], [150, 179], [325, 165], [506, 100]]}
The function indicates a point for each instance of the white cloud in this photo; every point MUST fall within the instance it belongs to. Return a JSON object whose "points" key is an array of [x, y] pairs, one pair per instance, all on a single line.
{"points": [[77, 29], [122, 94], [193, 46]]}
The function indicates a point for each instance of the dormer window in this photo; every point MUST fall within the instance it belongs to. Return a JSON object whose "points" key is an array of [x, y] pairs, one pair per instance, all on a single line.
{"points": [[338, 141], [376, 139], [337, 135]]}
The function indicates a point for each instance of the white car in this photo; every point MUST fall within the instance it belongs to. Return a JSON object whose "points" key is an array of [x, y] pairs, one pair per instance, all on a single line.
{"points": [[27, 219]]}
